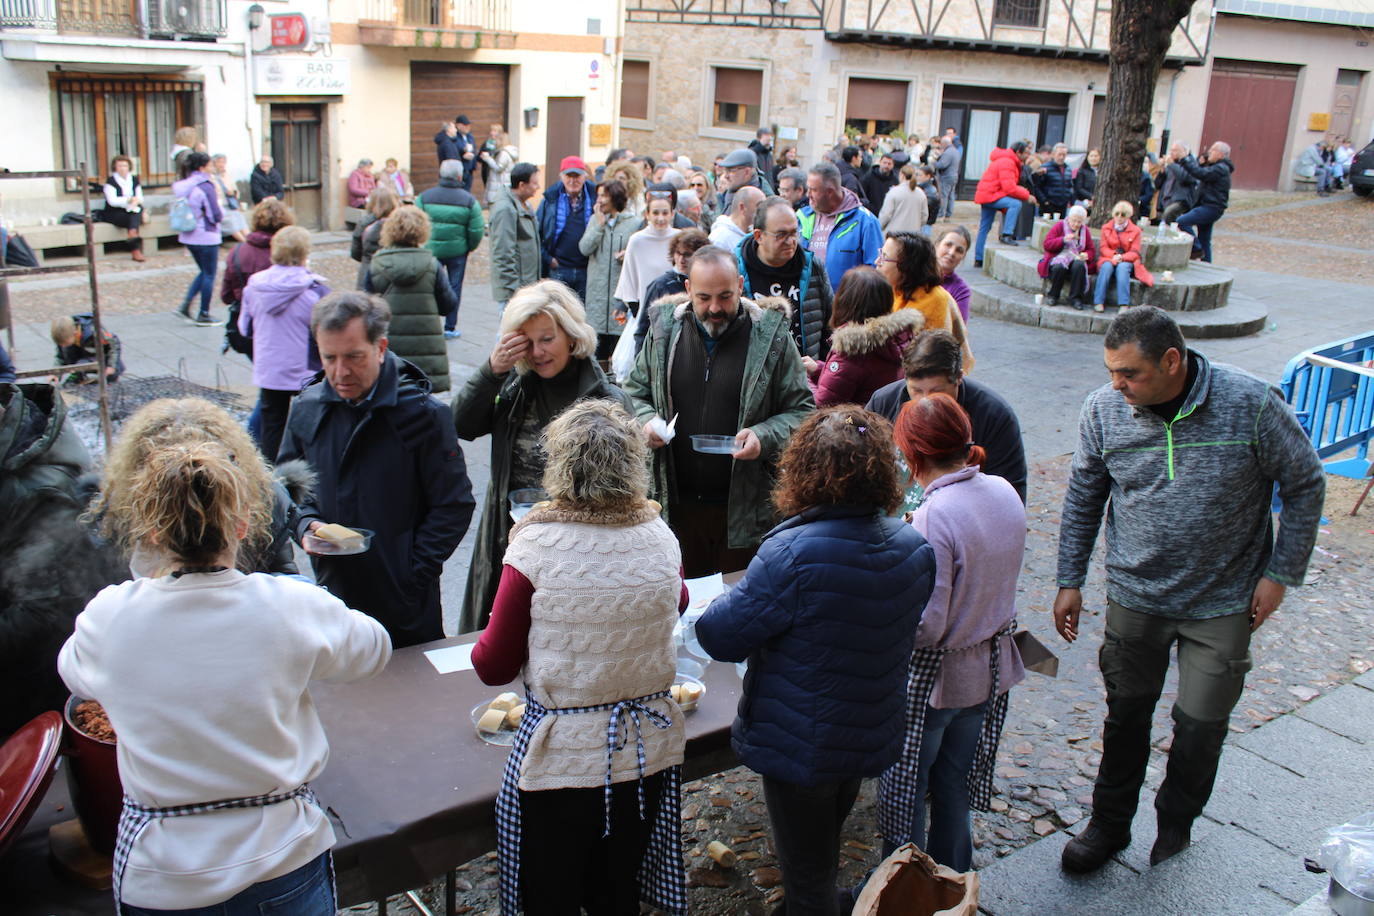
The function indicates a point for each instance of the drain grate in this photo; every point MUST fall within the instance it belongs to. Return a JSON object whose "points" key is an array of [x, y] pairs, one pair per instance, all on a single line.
{"points": [[131, 392]]}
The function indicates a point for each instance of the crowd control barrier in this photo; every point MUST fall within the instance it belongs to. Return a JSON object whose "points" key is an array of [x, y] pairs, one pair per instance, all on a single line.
{"points": [[1331, 388]]}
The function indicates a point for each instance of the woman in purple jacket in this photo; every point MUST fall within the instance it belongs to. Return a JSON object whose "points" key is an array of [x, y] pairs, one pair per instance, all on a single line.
{"points": [[965, 660], [276, 312], [197, 188], [949, 254]]}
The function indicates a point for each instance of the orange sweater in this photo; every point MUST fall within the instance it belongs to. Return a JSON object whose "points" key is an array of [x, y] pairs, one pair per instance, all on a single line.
{"points": [[941, 314]]}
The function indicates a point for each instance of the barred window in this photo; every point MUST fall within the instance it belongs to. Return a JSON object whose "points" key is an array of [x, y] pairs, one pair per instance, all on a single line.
{"points": [[1028, 14], [103, 117]]}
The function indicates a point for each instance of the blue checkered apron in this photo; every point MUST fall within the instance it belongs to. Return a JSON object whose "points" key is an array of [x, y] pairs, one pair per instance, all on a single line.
{"points": [[662, 881], [134, 817], [897, 786]]}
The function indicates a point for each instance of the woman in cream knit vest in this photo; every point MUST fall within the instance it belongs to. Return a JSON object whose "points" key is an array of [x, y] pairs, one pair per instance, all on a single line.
{"points": [[590, 590]]}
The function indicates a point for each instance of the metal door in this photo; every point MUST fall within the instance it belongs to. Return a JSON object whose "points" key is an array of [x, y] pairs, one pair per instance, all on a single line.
{"points": [[296, 149], [1249, 106]]}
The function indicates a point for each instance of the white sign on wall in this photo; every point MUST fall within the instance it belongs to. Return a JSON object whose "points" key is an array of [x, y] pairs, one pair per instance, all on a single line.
{"points": [[301, 75]]}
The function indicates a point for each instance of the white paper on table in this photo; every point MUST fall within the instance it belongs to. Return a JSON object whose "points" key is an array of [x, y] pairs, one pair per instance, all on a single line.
{"points": [[701, 592], [451, 658]]}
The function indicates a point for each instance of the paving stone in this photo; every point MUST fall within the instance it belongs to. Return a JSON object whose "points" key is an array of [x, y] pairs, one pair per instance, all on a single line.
{"points": [[1350, 714]]}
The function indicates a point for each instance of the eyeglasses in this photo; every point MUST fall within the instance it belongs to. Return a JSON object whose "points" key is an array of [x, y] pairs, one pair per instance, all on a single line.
{"points": [[883, 259], [783, 235]]}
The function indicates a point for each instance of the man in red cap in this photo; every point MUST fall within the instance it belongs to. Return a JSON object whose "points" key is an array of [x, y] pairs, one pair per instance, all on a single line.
{"points": [[563, 217]]}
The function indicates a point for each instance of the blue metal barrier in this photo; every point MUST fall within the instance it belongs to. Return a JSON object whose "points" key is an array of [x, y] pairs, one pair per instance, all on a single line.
{"points": [[1335, 405]]}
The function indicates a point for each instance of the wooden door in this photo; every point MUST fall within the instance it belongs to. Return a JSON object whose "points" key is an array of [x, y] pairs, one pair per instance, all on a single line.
{"points": [[1249, 106], [296, 150], [1343, 102], [563, 134], [439, 92]]}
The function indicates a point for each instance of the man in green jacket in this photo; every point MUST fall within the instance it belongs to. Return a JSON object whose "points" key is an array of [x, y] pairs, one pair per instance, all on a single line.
{"points": [[514, 235], [456, 218], [721, 365], [1182, 455]]}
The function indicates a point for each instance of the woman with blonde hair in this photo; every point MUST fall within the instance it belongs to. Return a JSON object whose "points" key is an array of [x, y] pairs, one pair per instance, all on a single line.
{"points": [[498, 160], [543, 363], [580, 826], [413, 282], [276, 315], [906, 205], [218, 810], [166, 422], [1119, 256], [629, 173], [367, 235]]}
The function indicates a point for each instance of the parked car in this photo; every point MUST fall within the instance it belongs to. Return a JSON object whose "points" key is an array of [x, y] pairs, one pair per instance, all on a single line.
{"points": [[1362, 171]]}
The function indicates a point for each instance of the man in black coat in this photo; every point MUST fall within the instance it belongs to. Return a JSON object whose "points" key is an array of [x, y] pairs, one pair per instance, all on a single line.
{"points": [[933, 365], [1213, 175], [387, 460], [1054, 182], [762, 146], [879, 180], [265, 182], [851, 162], [1177, 189]]}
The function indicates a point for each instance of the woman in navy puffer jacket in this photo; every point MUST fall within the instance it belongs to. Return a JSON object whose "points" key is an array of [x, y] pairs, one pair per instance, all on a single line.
{"points": [[826, 616]]}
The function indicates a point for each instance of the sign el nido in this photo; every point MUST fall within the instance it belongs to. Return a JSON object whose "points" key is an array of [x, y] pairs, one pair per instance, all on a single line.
{"points": [[301, 76]]}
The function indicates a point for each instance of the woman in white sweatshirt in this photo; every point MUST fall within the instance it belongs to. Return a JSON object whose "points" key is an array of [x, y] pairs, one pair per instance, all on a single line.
{"points": [[203, 673]]}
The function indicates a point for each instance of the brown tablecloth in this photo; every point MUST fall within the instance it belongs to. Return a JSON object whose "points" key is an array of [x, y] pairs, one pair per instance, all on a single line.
{"points": [[409, 785]]}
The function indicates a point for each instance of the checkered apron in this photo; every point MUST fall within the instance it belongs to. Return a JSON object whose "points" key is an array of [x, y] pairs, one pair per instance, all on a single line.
{"points": [[897, 787], [134, 817], [662, 881]]}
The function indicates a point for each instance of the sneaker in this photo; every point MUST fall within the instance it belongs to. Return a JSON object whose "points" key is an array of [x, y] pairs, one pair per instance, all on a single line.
{"points": [[183, 311], [1010, 240], [1091, 849], [453, 334], [1051, 300], [206, 320], [1099, 307], [1077, 304], [1171, 841]]}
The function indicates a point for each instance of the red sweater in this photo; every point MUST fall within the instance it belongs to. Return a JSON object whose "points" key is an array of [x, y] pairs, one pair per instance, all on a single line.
{"points": [[502, 648]]}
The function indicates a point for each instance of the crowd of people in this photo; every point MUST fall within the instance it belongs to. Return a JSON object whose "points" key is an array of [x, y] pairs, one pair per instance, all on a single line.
{"points": [[796, 405]]}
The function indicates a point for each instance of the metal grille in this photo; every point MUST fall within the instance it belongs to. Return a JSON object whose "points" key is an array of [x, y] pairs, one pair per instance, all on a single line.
{"points": [[131, 392]]}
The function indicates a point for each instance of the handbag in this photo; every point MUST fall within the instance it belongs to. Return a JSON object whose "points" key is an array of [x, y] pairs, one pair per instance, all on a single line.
{"points": [[910, 883]]}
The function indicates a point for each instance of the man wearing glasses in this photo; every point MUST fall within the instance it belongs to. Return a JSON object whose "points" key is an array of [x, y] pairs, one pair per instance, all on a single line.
{"points": [[773, 263]]}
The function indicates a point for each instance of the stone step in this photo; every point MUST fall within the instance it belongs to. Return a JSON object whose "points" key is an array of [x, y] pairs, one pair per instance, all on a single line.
{"points": [[1195, 288], [990, 298]]}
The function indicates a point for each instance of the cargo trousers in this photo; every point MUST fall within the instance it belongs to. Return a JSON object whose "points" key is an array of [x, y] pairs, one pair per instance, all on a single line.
{"points": [[1213, 659]]}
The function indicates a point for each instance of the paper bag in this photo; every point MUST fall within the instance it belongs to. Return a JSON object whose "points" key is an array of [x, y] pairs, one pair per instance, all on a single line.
{"points": [[1035, 655], [909, 883]]}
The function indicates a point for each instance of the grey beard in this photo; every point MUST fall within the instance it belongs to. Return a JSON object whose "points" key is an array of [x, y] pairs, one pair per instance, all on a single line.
{"points": [[715, 328]]}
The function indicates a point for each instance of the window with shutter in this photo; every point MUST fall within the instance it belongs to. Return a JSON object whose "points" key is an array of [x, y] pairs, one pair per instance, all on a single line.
{"points": [[634, 90], [738, 97]]}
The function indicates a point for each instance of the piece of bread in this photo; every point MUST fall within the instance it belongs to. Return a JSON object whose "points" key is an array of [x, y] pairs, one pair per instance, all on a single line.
{"points": [[690, 693], [514, 715], [339, 536], [505, 702], [491, 721]]}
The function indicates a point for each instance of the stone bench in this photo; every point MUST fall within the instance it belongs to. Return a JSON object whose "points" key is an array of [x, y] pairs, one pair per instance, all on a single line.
{"points": [[73, 235]]}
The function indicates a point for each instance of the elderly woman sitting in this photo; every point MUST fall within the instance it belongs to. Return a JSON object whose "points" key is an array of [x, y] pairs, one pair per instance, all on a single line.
{"points": [[591, 588], [1069, 255], [361, 181], [546, 340]]}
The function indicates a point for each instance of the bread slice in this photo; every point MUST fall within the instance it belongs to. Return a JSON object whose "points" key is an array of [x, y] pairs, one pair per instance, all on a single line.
{"points": [[341, 537]]}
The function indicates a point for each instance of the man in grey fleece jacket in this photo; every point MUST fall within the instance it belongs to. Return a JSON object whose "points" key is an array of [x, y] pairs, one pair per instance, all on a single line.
{"points": [[1182, 454]]}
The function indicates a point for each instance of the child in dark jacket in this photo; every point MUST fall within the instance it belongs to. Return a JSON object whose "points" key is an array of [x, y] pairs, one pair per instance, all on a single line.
{"points": [[75, 339]]}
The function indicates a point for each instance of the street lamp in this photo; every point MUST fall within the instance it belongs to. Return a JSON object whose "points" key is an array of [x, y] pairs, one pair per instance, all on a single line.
{"points": [[255, 14]]}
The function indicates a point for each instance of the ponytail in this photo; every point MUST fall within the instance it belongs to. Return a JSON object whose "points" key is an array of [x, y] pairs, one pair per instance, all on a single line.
{"points": [[190, 500]]}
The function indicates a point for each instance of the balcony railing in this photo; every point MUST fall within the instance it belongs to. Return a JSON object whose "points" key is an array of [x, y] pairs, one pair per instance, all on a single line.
{"points": [[164, 18], [476, 15]]}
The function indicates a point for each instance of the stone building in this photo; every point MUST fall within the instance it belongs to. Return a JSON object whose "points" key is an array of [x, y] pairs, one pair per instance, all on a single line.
{"points": [[700, 78]]}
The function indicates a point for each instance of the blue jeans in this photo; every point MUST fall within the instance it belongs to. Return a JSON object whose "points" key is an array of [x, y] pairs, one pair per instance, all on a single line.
{"points": [[1198, 222], [207, 259], [947, 748], [307, 891], [575, 278], [456, 267], [1105, 271], [1012, 209]]}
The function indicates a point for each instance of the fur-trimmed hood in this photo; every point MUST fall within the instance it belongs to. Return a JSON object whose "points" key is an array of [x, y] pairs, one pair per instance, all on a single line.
{"points": [[614, 516], [857, 339], [755, 307]]}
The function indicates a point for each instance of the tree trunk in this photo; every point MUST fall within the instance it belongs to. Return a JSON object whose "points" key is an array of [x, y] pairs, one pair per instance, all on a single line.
{"points": [[1142, 31]]}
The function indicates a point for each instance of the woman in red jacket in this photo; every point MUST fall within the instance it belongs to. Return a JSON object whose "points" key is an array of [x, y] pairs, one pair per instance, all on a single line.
{"points": [[1119, 256], [1000, 189], [866, 351]]}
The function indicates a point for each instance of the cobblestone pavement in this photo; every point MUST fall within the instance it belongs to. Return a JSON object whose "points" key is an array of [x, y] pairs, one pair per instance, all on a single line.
{"points": [[1322, 637]]}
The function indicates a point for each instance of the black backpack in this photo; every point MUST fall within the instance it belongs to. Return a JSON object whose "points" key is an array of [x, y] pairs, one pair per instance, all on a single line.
{"points": [[234, 339]]}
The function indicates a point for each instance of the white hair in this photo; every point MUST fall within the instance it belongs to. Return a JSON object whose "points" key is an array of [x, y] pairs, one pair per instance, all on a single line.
{"points": [[674, 178], [687, 200], [451, 168], [682, 163], [1077, 210]]}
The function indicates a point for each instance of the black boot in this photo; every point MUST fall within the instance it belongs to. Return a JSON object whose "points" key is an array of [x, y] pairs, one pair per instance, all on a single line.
{"points": [[1170, 841], [1091, 849]]}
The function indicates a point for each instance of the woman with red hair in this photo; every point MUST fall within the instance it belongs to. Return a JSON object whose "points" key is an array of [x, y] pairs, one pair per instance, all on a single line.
{"points": [[965, 660]]}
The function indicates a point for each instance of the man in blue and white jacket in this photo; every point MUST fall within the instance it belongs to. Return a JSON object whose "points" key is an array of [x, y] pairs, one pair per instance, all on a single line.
{"points": [[1188, 452]]}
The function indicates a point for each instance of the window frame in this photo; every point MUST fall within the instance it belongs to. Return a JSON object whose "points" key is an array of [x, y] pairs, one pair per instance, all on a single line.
{"points": [[1012, 23], [189, 99], [706, 126], [649, 122]]}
